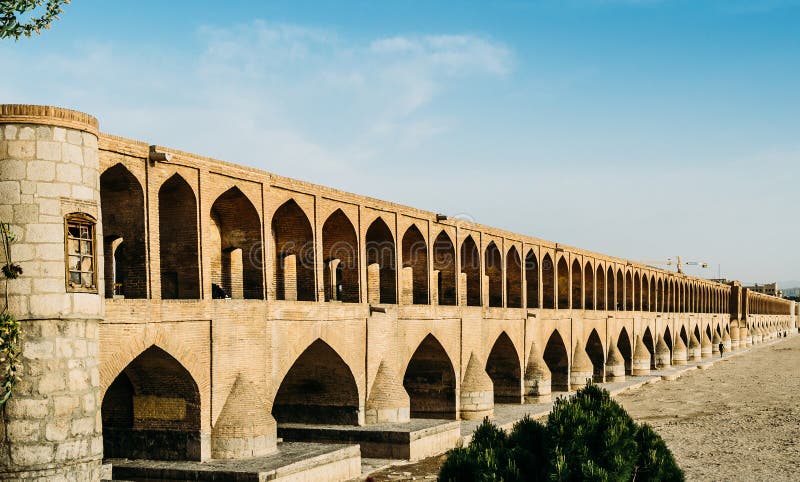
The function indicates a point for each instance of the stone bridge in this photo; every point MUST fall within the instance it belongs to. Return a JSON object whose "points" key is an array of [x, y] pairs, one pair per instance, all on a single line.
{"points": [[184, 308]]}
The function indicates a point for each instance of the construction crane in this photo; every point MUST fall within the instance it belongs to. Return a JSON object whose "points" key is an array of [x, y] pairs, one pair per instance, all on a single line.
{"points": [[679, 263]]}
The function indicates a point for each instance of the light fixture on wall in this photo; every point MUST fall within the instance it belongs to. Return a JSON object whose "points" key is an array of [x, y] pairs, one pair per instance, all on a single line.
{"points": [[157, 156]]}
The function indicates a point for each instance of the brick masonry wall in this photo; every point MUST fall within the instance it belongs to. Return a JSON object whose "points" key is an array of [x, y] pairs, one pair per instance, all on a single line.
{"points": [[220, 341]]}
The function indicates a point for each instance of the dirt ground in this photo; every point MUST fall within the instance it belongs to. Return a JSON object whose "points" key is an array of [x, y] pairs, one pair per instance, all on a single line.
{"points": [[736, 421]]}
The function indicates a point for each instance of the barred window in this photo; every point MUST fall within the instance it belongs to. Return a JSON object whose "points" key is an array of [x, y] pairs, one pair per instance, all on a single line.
{"points": [[80, 253]]}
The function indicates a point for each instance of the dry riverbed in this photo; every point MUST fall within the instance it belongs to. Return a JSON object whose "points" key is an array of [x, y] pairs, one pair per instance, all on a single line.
{"points": [[737, 421]]}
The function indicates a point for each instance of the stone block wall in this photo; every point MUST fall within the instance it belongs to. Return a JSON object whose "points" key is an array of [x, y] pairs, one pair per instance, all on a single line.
{"points": [[49, 170]]}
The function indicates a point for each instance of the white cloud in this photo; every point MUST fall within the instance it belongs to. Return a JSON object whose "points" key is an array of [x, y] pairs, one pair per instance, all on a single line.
{"points": [[264, 94]]}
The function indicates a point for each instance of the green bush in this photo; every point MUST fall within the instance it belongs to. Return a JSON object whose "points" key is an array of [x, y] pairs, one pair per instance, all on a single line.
{"points": [[587, 437], [655, 459], [486, 458]]}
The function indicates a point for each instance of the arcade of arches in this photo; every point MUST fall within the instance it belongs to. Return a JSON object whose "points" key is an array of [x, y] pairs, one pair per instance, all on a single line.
{"points": [[238, 301]]}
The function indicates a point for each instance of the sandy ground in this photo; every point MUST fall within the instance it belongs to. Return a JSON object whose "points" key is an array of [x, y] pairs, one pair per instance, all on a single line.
{"points": [[738, 420]]}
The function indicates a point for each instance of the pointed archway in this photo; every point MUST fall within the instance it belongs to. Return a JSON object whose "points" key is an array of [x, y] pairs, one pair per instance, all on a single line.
{"points": [[235, 246], [444, 261], [340, 255], [557, 360], [625, 349], [531, 280], [415, 257], [563, 284], [152, 410], [601, 289], [319, 388], [380, 249], [494, 275], [122, 204], [471, 267], [548, 282], [594, 348], [503, 367], [293, 247], [648, 341], [430, 381], [513, 279], [178, 240]]}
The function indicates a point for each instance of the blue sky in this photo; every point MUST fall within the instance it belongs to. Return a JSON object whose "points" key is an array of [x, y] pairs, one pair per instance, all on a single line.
{"points": [[639, 128]]}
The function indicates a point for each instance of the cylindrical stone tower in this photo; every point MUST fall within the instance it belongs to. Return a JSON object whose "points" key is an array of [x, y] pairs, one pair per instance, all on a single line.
{"points": [[51, 426]]}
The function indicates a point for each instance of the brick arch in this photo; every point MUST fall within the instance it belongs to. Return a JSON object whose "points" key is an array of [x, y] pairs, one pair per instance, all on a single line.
{"points": [[563, 283], [293, 251], [216, 190], [236, 249], [319, 387], [471, 266], [624, 343], [513, 278], [124, 223], [179, 240], [414, 251], [531, 279], [340, 242], [187, 356], [493, 261], [444, 261], [380, 245], [601, 295], [595, 348], [279, 202], [430, 379], [504, 367], [668, 337], [576, 282], [153, 398], [557, 357]]}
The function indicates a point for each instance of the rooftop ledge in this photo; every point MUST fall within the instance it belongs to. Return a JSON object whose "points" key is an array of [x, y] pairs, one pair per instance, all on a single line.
{"points": [[48, 115]]}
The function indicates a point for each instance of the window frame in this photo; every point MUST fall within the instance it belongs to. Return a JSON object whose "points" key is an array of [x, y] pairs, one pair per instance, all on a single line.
{"points": [[80, 219]]}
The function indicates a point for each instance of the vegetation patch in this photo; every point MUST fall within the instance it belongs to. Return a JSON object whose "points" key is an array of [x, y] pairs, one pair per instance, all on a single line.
{"points": [[586, 437]]}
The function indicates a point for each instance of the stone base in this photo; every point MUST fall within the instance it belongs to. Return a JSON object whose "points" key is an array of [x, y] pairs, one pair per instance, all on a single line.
{"points": [[615, 373], [663, 360], [387, 415], [680, 358], [534, 399], [243, 447], [415, 440], [640, 367], [537, 390], [293, 462], [579, 379], [80, 472], [477, 405]]}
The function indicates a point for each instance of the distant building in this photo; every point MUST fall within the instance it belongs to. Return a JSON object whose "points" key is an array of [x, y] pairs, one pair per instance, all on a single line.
{"points": [[791, 293], [767, 289]]}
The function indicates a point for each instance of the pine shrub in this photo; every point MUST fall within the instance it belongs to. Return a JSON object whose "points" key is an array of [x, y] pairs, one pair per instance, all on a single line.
{"points": [[587, 437]]}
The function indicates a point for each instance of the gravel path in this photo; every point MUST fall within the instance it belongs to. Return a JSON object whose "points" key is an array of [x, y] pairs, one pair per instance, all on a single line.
{"points": [[736, 421], [739, 420]]}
